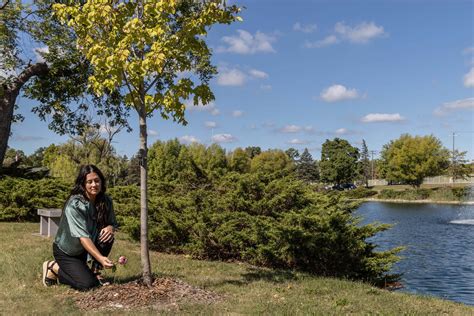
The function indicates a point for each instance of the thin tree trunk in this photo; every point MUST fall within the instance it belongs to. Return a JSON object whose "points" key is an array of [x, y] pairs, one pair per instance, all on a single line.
{"points": [[145, 255], [8, 95]]}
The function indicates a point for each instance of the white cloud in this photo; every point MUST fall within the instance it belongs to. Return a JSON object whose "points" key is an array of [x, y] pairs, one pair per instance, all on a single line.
{"points": [[258, 74], [296, 141], [309, 28], [237, 113], [266, 87], [468, 51], [236, 77], [210, 107], [246, 43], [379, 117], [469, 79], [329, 40], [223, 138], [106, 128], [458, 105], [210, 124], [338, 92], [230, 77], [342, 131], [27, 138], [361, 33], [152, 132], [291, 129], [40, 50], [188, 139], [309, 129]]}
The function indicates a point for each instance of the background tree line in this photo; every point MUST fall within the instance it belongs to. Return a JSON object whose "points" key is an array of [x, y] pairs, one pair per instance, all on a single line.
{"points": [[406, 160]]}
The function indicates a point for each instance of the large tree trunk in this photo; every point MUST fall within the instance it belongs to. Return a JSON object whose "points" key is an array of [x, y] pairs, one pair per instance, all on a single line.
{"points": [[145, 255], [8, 94]]}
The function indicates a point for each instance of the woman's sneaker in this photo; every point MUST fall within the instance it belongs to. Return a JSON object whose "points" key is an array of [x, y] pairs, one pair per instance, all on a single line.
{"points": [[49, 276]]}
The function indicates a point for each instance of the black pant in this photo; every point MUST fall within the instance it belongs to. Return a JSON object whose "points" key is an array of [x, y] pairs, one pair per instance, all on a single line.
{"points": [[74, 271]]}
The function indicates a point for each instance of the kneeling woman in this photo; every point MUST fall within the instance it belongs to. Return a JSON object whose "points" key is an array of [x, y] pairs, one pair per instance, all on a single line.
{"points": [[87, 227]]}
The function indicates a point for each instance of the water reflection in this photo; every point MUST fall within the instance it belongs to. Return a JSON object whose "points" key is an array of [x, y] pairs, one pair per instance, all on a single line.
{"points": [[439, 241]]}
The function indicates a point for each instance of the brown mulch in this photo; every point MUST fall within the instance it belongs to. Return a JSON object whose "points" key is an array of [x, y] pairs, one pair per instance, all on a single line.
{"points": [[165, 293]]}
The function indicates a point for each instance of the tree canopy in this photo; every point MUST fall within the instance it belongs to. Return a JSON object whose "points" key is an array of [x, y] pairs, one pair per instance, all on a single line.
{"points": [[338, 161], [54, 73], [409, 159]]}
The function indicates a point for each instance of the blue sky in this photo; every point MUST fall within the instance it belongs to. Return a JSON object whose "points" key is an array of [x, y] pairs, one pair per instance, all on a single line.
{"points": [[295, 73]]}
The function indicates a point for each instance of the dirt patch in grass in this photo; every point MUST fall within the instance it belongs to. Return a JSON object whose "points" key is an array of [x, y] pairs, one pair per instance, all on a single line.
{"points": [[164, 294]]}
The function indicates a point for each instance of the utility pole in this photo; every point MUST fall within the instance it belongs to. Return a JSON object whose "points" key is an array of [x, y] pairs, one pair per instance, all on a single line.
{"points": [[372, 152], [454, 134]]}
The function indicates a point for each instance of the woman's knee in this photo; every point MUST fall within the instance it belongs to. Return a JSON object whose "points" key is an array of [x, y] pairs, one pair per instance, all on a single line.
{"points": [[84, 285]]}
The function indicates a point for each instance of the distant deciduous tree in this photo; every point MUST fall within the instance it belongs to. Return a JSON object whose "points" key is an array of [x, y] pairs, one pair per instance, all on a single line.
{"points": [[338, 161], [409, 159], [458, 167], [270, 161], [239, 161], [253, 151]]}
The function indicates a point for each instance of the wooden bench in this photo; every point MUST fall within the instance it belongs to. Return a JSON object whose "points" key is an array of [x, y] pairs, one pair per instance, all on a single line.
{"points": [[49, 221]]}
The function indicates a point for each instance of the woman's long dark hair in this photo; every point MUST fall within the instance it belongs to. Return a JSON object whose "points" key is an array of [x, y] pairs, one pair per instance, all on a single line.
{"points": [[100, 200]]}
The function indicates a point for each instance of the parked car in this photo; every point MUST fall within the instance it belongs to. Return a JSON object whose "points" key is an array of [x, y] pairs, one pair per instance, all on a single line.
{"points": [[344, 186]]}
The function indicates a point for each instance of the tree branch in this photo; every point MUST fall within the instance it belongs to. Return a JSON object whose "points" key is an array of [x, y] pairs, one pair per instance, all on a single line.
{"points": [[30, 71], [131, 88], [4, 5]]}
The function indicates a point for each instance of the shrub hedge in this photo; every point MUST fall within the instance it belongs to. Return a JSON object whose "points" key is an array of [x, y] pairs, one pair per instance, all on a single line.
{"points": [[274, 221], [269, 220], [20, 198]]}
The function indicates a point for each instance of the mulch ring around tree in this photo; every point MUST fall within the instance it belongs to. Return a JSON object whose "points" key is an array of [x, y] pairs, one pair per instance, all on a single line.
{"points": [[164, 294]]}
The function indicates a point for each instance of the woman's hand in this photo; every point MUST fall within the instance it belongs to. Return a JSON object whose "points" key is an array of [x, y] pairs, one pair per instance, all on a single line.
{"points": [[106, 234], [106, 262]]}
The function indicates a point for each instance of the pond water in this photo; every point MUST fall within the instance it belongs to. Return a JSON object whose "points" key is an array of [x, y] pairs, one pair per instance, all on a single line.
{"points": [[439, 240]]}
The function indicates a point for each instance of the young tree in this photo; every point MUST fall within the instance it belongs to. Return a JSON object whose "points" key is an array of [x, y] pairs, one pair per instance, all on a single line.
{"points": [[365, 163], [338, 161], [410, 159], [140, 47]]}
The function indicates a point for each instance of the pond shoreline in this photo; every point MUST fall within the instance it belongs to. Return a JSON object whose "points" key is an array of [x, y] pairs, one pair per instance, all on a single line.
{"points": [[401, 201]]}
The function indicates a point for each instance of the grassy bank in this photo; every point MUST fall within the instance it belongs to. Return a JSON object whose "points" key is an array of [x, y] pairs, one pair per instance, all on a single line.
{"points": [[245, 289], [452, 194]]}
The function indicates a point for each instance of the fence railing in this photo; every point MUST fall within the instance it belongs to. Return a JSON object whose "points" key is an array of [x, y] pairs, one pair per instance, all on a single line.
{"points": [[429, 180]]}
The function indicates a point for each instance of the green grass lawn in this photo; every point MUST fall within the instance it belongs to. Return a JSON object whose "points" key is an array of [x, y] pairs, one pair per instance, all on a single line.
{"points": [[246, 289]]}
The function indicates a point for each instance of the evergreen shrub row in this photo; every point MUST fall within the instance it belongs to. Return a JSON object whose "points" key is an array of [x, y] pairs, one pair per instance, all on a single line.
{"points": [[268, 220], [20, 198]]}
